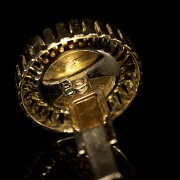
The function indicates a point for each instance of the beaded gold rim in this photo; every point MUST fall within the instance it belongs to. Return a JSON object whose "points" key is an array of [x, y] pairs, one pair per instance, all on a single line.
{"points": [[39, 56]]}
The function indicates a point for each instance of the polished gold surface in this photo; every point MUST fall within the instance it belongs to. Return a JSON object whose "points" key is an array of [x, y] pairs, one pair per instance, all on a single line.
{"points": [[89, 55], [70, 64], [88, 110]]}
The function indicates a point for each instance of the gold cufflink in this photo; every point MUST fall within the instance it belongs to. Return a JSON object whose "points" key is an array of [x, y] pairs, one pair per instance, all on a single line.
{"points": [[77, 81]]}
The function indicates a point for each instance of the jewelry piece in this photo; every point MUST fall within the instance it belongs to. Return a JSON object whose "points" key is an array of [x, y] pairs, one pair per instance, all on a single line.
{"points": [[79, 81]]}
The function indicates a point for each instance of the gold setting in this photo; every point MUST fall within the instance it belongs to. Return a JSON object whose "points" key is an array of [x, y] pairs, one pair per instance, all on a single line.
{"points": [[93, 38], [88, 111]]}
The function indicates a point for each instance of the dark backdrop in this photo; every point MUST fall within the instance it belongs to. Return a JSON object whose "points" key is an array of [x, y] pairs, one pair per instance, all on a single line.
{"points": [[139, 130]]}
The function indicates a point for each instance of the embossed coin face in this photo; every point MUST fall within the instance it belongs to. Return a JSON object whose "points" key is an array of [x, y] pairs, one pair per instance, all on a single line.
{"points": [[89, 55], [61, 161], [70, 64], [76, 64]]}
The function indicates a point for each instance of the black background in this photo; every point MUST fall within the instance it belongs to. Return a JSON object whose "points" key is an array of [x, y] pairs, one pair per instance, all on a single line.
{"points": [[141, 130]]}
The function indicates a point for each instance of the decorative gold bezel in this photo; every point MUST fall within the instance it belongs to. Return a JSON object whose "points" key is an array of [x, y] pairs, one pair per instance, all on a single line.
{"points": [[44, 51]]}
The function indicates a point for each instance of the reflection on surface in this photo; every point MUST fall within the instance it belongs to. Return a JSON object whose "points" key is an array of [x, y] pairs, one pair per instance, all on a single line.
{"points": [[62, 162], [70, 64]]}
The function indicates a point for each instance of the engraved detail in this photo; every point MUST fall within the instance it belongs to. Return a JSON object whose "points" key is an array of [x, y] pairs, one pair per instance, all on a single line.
{"points": [[38, 44], [112, 31], [43, 52], [48, 36], [61, 30], [88, 26], [100, 29], [74, 27]]}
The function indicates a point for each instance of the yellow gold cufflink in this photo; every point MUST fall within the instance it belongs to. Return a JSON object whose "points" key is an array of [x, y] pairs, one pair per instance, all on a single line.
{"points": [[78, 80]]}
